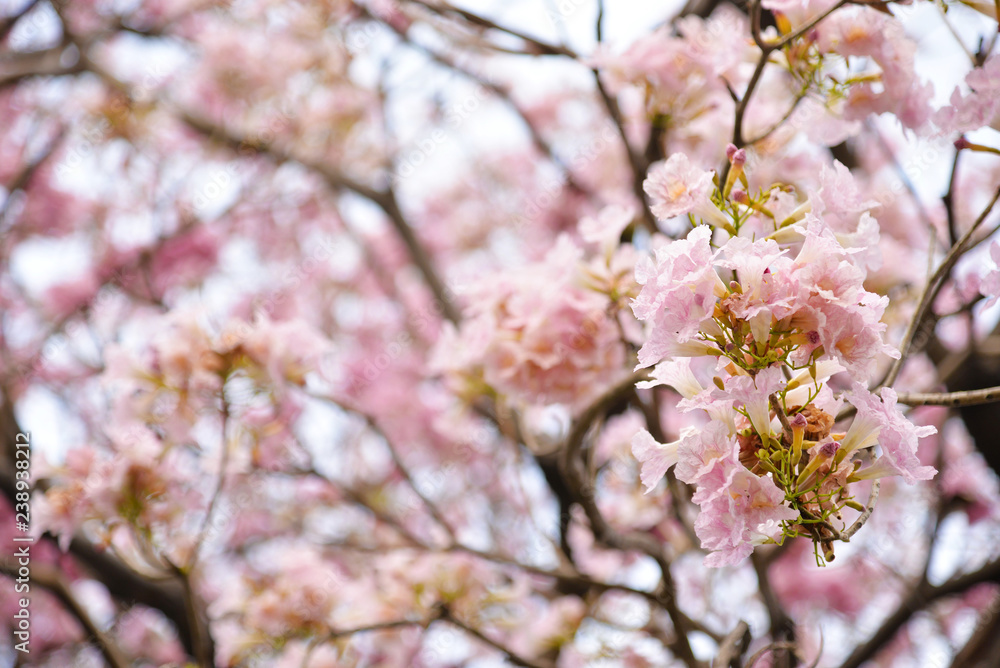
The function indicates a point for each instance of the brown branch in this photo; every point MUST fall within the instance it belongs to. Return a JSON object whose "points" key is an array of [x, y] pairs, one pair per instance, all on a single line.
{"points": [[204, 645], [384, 199], [865, 514], [583, 493], [781, 121], [383, 626], [539, 46], [766, 49], [786, 427], [516, 659], [249, 145], [219, 486], [984, 644], [574, 577], [986, 395], [538, 141], [782, 628], [807, 26], [405, 472], [949, 200], [122, 583], [732, 646], [16, 67], [637, 161]]}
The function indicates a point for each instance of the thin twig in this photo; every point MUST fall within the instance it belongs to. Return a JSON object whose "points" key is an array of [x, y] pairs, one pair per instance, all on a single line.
{"points": [[539, 142], [514, 658], [404, 470], [949, 200], [786, 427], [865, 514], [931, 291], [382, 626], [540, 46]]}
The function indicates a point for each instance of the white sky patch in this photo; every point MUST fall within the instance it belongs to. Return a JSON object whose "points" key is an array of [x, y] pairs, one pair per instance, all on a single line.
{"points": [[39, 263], [213, 188]]}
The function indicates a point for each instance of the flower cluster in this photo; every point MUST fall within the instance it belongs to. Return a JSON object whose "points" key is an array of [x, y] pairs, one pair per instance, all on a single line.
{"points": [[547, 333], [772, 308]]}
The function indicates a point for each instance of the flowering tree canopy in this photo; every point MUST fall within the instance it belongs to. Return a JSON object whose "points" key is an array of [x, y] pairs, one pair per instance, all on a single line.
{"points": [[549, 334]]}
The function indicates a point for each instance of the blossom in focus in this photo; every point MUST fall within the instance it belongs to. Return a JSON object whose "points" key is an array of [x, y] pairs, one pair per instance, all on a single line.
{"points": [[680, 288], [881, 421], [677, 187], [749, 512]]}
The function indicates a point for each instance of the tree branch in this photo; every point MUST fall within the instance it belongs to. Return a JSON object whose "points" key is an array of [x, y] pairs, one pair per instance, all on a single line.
{"points": [[538, 46], [583, 493], [967, 398], [515, 658], [245, 146]]}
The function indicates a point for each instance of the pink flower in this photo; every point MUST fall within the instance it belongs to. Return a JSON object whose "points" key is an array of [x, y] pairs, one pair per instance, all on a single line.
{"points": [[749, 512], [65, 298], [184, 259], [868, 33], [655, 457], [703, 456], [536, 335], [678, 375], [844, 209], [752, 392], [677, 187], [883, 423], [683, 78], [840, 198], [607, 226], [145, 634], [678, 293], [798, 10], [980, 107], [765, 291], [709, 460], [288, 350], [844, 317]]}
